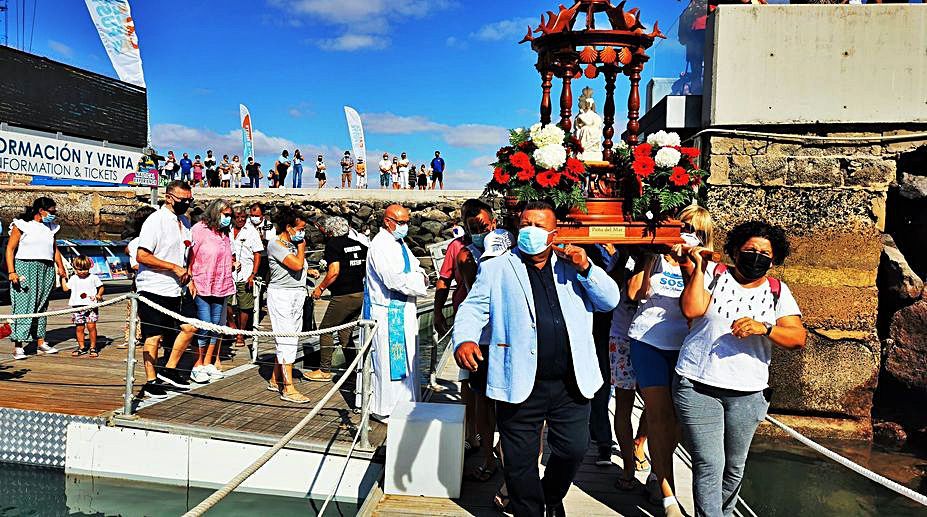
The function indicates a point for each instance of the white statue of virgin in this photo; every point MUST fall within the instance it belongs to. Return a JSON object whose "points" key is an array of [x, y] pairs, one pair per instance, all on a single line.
{"points": [[589, 128]]}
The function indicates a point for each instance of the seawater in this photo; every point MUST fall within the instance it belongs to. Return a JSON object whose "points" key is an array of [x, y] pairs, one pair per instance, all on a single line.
{"points": [[48, 492]]}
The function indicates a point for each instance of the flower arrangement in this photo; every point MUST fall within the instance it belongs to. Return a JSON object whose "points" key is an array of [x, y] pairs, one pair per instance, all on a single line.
{"points": [[661, 175], [540, 163]]}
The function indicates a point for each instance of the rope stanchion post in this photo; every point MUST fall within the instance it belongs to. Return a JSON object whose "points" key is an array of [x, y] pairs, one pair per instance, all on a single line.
{"points": [[366, 327], [130, 356]]}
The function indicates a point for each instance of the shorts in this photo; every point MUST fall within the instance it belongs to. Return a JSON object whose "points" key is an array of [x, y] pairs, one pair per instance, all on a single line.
{"points": [[437, 176], [84, 317], [154, 322], [320, 176], [422, 181], [243, 298], [653, 366], [619, 355]]}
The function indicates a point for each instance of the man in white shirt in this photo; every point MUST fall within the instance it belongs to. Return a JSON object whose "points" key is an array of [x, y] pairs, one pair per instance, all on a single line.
{"points": [[386, 168], [246, 254], [403, 171], [163, 248], [394, 280]]}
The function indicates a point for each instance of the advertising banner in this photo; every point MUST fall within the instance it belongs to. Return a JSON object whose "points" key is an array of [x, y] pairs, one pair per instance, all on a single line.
{"points": [[358, 143], [113, 20], [22, 153], [247, 133]]}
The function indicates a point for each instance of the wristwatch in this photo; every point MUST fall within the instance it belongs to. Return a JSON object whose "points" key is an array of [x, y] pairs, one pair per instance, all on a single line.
{"points": [[769, 328]]}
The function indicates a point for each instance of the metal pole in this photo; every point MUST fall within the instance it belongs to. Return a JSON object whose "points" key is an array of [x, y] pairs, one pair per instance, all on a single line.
{"points": [[130, 357], [255, 319], [366, 391]]}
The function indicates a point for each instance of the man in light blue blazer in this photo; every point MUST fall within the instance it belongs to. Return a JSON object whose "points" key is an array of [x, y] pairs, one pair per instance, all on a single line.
{"points": [[537, 303]]}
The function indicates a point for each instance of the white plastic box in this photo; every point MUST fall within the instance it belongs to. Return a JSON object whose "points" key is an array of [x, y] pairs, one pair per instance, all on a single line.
{"points": [[424, 450]]}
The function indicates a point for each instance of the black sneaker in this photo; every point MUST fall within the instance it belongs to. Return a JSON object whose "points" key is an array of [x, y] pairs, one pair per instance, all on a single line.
{"points": [[154, 390], [174, 378], [604, 456]]}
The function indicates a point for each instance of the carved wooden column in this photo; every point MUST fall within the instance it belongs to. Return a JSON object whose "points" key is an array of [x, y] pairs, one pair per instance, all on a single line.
{"points": [[608, 111], [547, 77], [566, 100], [634, 101]]}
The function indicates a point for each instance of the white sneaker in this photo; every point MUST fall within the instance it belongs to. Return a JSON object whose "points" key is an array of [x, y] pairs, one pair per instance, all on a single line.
{"points": [[199, 375], [213, 372], [19, 353], [48, 349]]}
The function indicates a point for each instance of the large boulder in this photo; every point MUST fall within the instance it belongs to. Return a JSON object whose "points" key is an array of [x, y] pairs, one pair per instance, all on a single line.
{"points": [[912, 187], [907, 358], [896, 278]]}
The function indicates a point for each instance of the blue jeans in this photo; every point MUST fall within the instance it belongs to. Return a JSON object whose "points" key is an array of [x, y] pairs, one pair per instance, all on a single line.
{"points": [[185, 176], [255, 181], [298, 175], [210, 309], [718, 426]]}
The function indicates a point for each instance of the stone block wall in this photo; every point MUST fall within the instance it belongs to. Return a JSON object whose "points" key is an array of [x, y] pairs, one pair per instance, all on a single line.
{"points": [[830, 197]]}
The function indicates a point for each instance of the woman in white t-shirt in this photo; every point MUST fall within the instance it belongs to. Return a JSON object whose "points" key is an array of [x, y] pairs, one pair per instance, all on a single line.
{"points": [[737, 315], [31, 260], [225, 172], [236, 172], [656, 335]]}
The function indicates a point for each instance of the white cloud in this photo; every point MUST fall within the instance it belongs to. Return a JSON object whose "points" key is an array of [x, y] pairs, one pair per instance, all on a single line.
{"points": [[455, 42], [504, 29], [362, 23], [60, 48], [463, 135], [482, 161], [352, 42]]}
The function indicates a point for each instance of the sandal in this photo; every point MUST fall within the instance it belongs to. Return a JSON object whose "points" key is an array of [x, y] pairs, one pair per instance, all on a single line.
{"points": [[626, 484], [296, 398], [482, 473], [94, 353], [79, 352], [501, 501], [640, 465]]}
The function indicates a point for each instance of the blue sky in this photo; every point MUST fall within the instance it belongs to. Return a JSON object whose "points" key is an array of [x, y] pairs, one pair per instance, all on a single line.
{"points": [[424, 74]]}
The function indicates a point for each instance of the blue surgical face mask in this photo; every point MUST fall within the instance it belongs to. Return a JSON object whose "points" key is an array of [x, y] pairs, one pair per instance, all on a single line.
{"points": [[478, 239], [298, 237], [225, 221], [532, 240], [49, 218], [401, 231]]}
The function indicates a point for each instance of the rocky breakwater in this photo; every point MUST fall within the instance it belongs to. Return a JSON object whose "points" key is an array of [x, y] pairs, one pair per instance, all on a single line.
{"points": [[83, 212], [831, 199]]}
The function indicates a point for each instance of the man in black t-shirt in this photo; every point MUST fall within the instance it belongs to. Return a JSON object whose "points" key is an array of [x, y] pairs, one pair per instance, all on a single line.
{"points": [[212, 172], [347, 266], [253, 170]]}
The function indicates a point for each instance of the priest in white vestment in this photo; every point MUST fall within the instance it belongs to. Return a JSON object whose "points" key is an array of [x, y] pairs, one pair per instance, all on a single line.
{"points": [[394, 280]]}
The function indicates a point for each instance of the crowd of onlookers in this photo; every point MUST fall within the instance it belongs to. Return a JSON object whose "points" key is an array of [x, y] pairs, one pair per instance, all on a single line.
{"points": [[545, 333], [396, 173]]}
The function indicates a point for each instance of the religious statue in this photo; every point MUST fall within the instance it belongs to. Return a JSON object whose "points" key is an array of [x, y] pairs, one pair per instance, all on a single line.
{"points": [[589, 128]]}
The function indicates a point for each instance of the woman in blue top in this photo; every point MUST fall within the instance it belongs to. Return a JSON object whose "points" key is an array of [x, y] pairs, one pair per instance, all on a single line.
{"points": [[737, 315]]}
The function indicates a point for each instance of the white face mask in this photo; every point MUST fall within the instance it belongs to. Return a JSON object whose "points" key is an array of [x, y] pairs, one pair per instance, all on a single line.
{"points": [[691, 239], [256, 221]]}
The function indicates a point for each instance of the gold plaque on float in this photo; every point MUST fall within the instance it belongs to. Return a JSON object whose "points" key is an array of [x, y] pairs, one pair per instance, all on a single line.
{"points": [[607, 232]]}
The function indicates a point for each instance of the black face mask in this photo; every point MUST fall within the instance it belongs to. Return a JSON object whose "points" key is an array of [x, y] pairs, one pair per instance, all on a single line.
{"points": [[181, 206], [752, 265]]}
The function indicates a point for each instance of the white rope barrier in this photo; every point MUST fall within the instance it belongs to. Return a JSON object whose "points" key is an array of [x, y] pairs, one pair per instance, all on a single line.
{"points": [[221, 329], [855, 467], [235, 482], [69, 310]]}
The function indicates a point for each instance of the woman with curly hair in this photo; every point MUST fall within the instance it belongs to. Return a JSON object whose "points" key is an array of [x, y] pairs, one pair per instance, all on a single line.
{"points": [[738, 313]]}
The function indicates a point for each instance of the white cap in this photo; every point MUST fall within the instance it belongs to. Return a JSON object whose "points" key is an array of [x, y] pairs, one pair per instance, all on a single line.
{"points": [[496, 243], [458, 231]]}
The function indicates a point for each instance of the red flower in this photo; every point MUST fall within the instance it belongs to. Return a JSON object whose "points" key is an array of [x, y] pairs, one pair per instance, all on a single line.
{"points": [[690, 152], [500, 176], [187, 243], [643, 166], [83, 295], [520, 160], [696, 180], [679, 177], [643, 150], [575, 167], [548, 178], [526, 174]]}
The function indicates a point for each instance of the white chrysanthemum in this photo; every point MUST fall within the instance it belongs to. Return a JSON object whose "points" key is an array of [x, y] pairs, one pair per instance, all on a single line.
{"points": [[621, 144], [663, 139], [667, 157], [551, 156], [547, 135]]}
